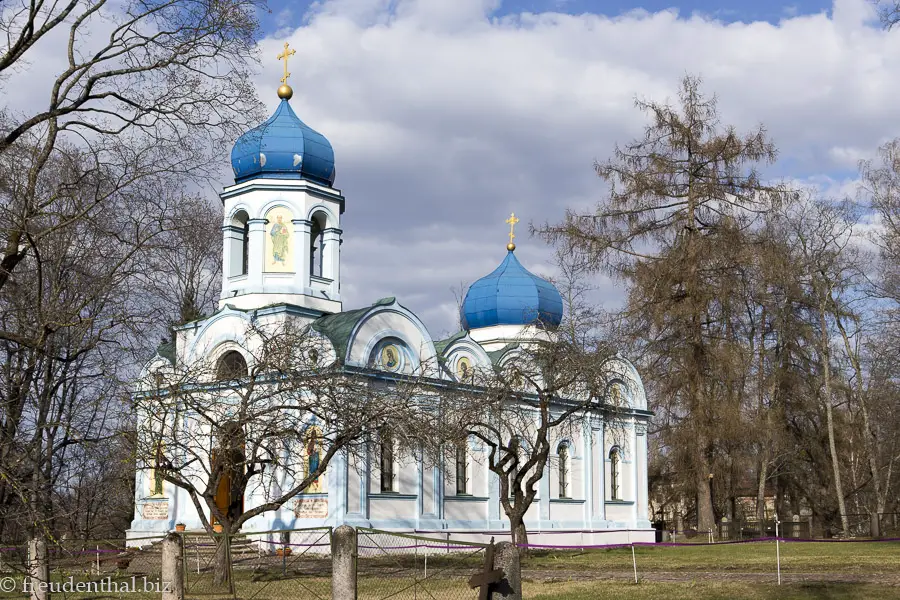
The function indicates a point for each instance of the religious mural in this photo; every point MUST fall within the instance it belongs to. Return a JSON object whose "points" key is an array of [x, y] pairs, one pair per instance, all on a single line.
{"points": [[313, 451], [390, 358], [279, 242], [463, 368]]}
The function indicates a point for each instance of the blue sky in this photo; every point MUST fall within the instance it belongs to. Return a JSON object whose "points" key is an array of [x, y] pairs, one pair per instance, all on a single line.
{"points": [[445, 118], [745, 11]]}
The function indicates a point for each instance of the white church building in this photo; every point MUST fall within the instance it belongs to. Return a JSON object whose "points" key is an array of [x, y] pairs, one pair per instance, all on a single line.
{"points": [[282, 237]]}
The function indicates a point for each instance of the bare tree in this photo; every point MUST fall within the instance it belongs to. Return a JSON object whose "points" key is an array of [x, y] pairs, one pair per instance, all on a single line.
{"points": [[888, 12], [148, 87], [267, 430], [823, 231], [183, 274], [675, 196]]}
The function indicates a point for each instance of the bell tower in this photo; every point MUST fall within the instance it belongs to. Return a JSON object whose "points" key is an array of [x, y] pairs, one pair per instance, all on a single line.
{"points": [[282, 229]]}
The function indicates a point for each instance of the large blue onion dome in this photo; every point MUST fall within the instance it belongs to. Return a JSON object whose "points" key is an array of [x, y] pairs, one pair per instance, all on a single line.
{"points": [[284, 147], [511, 295]]}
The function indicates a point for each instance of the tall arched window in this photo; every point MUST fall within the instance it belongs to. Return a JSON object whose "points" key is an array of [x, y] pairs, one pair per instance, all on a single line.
{"points": [[238, 236], [232, 365], [462, 479], [387, 461], [614, 456], [563, 453], [317, 245]]}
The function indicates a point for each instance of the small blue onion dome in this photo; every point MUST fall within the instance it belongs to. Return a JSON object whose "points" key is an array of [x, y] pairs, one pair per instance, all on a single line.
{"points": [[284, 147], [511, 295]]}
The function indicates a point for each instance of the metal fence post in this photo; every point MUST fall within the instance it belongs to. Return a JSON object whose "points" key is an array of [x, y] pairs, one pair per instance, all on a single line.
{"points": [[173, 567], [344, 552]]}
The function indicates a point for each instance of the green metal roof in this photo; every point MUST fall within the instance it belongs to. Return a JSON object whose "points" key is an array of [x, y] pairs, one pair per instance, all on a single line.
{"points": [[442, 345], [167, 351], [339, 326], [496, 355]]}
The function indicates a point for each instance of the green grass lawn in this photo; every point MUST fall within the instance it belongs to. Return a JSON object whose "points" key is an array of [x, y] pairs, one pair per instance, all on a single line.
{"points": [[822, 557], [811, 571], [704, 590]]}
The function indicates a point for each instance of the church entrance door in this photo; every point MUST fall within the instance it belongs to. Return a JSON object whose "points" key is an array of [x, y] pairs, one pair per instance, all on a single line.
{"points": [[223, 496]]}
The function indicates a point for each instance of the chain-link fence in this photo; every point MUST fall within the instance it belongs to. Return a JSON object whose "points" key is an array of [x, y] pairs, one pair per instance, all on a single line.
{"points": [[259, 565], [99, 566], [409, 567]]}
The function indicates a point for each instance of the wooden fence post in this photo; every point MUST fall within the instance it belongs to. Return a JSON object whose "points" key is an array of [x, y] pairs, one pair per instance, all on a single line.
{"points": [[343, 563], [173, 567]]}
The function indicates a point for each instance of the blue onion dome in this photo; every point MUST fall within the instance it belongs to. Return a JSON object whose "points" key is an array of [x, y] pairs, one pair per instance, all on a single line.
{"points": [[284, 147], [512, 295]]}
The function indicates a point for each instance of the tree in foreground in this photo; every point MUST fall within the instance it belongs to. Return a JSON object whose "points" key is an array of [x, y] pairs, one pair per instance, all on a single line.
{"points": [[678, 200], [552, 385], [224, 430]]}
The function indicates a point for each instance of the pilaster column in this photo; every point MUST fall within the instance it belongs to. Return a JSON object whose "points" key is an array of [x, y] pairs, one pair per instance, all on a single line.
{"points": [[494, 511], [641, 455], [600, 436], [336, 476], [331, 265], [544, 500], [634, 472], [256, 253], [421, 509], [588, 452], [302, 231]]}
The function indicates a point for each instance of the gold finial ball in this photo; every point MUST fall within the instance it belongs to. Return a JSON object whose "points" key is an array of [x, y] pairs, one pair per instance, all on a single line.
{"points": [[285, 92], [510, 246]]}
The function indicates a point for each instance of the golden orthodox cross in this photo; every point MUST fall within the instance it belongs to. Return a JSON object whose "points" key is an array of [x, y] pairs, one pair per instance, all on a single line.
{"points": [[284, 56], [512, 220]]}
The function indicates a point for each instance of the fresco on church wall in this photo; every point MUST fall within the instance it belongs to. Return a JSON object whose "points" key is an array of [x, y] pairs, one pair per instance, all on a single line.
{"points": [[279, 241]]}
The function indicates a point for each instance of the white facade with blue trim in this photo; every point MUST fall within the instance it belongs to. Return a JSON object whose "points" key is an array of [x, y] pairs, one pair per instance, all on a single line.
{"points": [[281, 259]]}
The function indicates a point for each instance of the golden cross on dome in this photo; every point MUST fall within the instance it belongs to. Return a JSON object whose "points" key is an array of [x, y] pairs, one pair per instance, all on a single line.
{"points": [[284, 56], [285, 92], [512, 220]]}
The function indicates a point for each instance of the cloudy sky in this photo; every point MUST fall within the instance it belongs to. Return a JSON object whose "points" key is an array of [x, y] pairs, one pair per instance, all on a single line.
{"points": [[447, 115]]}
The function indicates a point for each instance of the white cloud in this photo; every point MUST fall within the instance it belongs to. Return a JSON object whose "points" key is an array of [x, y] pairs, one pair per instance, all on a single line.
{"points": [[445, 118]]}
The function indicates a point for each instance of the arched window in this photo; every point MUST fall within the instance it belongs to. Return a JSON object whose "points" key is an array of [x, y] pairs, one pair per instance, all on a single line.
{"points": [[231, 366], [240, 244], [614, 456], [462, 479], [387, 461], [563, 453], [317, 245]]}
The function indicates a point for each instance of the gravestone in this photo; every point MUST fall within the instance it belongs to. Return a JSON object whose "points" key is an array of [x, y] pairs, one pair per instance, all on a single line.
{"points": [[488, 576]]}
